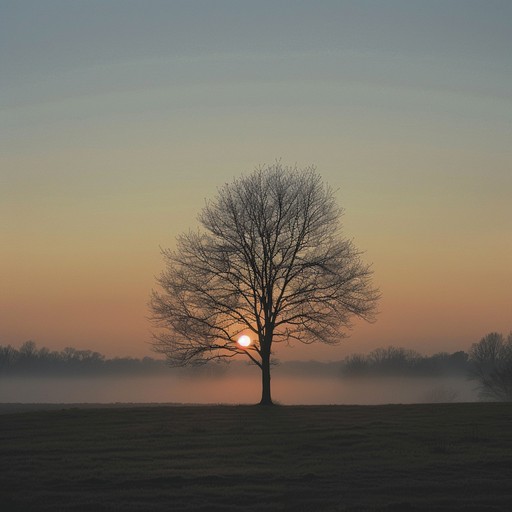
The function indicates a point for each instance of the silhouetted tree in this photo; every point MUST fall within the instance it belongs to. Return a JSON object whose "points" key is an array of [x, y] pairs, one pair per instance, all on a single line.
{"points": [[28, 350], [270, 262], [355, 364], [491, 365], [8, 356]]}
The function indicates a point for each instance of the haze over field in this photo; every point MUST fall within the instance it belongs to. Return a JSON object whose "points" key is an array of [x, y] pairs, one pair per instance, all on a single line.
{"points": [[119, 118], [391, 375], [238, 389]]}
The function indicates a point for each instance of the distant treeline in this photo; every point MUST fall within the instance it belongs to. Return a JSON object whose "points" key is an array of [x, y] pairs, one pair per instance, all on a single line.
{"points": [[29, 359], [392, 361], [401, 361]]}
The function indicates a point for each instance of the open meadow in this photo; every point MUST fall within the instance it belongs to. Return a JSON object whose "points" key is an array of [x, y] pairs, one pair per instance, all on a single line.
{"points": [[442, 457]]}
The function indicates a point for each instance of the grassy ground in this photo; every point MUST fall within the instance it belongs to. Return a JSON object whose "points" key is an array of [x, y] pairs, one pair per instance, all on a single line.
{"points": [[453, 457]]}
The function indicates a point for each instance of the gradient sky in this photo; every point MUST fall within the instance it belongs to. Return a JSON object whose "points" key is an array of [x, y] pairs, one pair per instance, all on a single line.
{"points": [[118, 118]]}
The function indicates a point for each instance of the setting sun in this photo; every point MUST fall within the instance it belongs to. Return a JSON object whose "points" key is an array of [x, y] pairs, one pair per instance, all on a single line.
{"points": [[244, 341]]}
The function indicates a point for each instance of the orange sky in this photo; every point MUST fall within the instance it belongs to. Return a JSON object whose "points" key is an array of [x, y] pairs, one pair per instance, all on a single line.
{"points": [[113, 134]]}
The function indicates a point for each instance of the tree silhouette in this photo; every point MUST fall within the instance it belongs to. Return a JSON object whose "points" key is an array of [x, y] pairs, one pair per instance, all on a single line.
{"points": [[270, 262], [491, 365]]}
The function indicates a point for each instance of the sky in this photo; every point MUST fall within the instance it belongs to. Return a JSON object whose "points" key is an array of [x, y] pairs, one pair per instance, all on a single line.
{"points": [[118, 118]]}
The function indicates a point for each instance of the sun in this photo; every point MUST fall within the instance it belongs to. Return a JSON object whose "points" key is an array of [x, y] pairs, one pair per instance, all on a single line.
{"points": [[244, 341]]}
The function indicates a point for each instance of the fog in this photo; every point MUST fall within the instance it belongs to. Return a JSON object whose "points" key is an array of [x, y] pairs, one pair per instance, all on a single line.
{"points": [[386, 375], [235, 389]]}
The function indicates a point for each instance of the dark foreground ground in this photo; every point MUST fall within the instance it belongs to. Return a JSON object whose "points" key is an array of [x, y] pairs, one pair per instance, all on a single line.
{"points": [[453, 457]]}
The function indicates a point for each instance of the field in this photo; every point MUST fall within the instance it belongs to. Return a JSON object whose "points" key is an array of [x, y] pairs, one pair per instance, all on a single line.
{"points": [[447, 457]]}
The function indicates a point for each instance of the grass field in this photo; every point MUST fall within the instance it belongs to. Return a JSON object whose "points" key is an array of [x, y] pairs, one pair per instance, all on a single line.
{"points": [[453, 457]]}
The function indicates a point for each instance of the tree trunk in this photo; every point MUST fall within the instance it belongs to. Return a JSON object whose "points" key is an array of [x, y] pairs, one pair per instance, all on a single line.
{"points": [[266, 398]]}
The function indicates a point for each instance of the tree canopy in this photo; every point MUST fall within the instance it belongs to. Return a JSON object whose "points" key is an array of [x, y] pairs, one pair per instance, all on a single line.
{"points": [[491, 366], [269, 261]]}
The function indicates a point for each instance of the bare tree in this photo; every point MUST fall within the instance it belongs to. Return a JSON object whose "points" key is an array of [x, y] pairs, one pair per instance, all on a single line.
{"points": [[491, 365], [270, 262]]}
